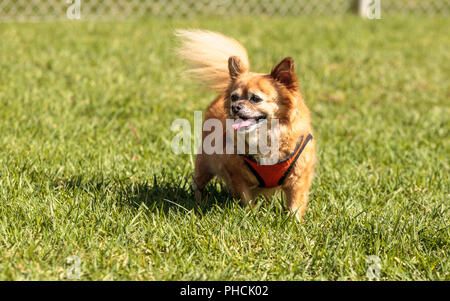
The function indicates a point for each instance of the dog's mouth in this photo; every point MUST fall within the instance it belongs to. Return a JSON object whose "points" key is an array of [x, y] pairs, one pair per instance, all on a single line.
{"points": [[246, 122]]}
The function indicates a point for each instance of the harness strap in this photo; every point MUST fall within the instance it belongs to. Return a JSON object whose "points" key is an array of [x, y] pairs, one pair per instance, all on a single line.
{"points": [[270, 176]]}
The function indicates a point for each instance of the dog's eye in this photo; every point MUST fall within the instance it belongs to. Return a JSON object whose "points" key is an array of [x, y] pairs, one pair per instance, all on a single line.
{"points": [[234, 97], [255, 98]]}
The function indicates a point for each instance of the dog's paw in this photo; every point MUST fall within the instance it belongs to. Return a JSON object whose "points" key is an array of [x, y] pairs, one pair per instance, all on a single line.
{"points": [[198, 196], [197, 192]]}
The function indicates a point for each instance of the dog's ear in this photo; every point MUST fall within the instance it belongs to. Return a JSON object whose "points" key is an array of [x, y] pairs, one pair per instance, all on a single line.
{"points": [[235, 67], [284, 73]]}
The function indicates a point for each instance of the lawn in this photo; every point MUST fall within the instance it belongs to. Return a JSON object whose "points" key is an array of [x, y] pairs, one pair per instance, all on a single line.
{"points": [[87, 170]]}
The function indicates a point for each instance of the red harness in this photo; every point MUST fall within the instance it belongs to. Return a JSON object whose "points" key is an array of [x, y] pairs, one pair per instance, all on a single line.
{"points": [[273, 175]]}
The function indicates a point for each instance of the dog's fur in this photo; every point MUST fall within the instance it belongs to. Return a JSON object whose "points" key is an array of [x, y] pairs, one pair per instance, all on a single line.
{"points": [[222, 64]]}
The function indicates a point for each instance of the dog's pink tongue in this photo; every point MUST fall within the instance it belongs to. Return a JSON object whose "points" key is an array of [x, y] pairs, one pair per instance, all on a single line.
{"points": [[240, 123]]}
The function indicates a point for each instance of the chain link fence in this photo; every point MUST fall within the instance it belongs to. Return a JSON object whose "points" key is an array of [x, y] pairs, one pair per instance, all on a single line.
{"points": [[47, 10]]}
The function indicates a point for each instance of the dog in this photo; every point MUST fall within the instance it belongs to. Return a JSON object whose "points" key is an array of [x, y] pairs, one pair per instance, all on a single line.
{"points": [[250, 100]]}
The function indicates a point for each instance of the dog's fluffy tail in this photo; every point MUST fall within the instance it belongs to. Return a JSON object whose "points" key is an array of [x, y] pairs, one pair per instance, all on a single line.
{"points": [[207, 54]]}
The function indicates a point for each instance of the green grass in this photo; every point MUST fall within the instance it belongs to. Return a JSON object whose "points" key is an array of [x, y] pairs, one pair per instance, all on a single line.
{"points": [[86, 166]]}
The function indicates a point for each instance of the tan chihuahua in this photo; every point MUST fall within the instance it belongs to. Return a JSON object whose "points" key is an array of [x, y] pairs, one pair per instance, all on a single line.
{"points": [[251, 100]]}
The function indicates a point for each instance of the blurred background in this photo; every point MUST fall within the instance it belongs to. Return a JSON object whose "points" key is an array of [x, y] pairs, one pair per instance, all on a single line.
{"points": [[88, 93], [35, 10]]}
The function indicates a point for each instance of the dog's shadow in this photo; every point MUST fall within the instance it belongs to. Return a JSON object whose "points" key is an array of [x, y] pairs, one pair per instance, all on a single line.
{"points": [[155, 195]]}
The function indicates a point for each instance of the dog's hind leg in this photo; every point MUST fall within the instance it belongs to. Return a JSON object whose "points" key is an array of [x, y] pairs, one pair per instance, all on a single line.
{"points": [[201, 178]]}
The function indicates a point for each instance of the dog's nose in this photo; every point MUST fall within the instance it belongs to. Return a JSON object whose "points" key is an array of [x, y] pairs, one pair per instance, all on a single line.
{"points": [[236, 107]]}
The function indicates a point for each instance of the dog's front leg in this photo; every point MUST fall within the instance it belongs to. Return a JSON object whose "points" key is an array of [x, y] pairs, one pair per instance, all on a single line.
{"points": [[241, 190], [246, 197], [297, 196]]}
